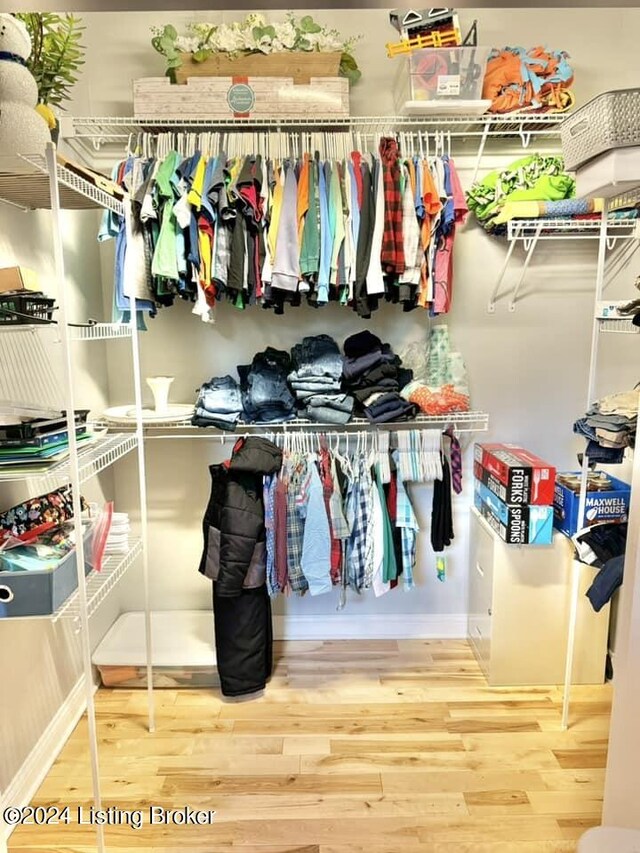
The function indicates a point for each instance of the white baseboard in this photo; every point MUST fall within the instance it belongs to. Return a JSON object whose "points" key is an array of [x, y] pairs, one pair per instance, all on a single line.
{"points": [[38, 763], [346, 626]]}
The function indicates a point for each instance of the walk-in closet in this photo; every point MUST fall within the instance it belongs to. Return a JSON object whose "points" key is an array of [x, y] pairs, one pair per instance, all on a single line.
{"points": [[319, 505]]}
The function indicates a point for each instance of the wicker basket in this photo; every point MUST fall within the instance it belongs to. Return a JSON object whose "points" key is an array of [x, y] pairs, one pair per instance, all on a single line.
{"points": [[22, 307], [300, 66], [612, 120]]}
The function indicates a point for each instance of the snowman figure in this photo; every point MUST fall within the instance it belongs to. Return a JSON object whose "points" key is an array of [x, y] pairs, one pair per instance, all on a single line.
{"points": [[22, 129]]}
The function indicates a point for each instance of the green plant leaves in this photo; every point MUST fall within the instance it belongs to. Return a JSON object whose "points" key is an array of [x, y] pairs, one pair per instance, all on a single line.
{"points": [[57, 53], [303, 38], [349, 68], [308, 25]]}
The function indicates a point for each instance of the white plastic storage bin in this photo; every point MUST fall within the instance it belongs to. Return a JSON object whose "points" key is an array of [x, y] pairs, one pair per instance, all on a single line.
{"points": [[610, 121], [445, 79], [609, 175], [182, 644]]}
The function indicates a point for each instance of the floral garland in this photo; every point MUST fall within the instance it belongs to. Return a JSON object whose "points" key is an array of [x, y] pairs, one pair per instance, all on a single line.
{"points": [[254, 35]]}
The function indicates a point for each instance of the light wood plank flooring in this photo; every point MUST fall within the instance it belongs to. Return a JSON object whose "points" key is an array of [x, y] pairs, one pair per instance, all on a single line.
{"points": [[356, 747]]}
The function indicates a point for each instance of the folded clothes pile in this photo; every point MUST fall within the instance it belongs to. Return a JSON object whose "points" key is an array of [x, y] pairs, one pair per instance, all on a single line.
{"points": [[603, 545], [219, 404], [632, 309], [610, 426], [531, 178], [315, 379], [266, 397], [374, 375]]}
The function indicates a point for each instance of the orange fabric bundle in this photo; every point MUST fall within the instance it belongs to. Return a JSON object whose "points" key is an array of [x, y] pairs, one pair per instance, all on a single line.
{"points": [[443, 401], [536, 80]]}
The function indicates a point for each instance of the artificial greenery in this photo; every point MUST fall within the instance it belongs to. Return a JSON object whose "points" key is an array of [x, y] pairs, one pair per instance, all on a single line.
{"points": [[57, 54], [253, 35]]}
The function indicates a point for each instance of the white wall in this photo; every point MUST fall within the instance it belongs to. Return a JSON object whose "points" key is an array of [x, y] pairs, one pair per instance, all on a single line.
{"points": [[527, 369]]}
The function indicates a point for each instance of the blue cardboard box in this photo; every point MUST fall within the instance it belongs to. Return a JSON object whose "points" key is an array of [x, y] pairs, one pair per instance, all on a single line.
{"points": [[516, 525], [612, 505]]}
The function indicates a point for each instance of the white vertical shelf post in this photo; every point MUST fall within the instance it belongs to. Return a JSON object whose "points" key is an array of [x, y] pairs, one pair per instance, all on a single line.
{"points": [[142, 492], [74, 476], [620, 806], [575, 581]]}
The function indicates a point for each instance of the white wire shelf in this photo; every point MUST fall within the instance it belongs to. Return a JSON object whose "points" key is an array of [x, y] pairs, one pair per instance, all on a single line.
{"points": [[24, 183], [567, 228], [461, 421], [92, 459], [619, 326], [100, 584], [100, 332], [508, 123], [96, 130]]}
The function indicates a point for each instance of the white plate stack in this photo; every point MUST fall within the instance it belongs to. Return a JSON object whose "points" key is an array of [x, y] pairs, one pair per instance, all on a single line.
{"points": [[118, 539]]}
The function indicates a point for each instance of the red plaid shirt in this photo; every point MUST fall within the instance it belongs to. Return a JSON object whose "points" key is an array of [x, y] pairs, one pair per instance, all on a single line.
{"points": [[392, 255], [327, 489]]}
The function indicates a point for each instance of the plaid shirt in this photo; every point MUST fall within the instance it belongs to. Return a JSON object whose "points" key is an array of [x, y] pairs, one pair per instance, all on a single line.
{"points": [[392, 254], [295, 532], [359, 550], [327, 492], [408, 523], [269, 493]]}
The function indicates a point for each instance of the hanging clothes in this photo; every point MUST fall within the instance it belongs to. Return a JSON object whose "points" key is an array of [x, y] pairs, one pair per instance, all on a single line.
{"points": [[253, 230]]}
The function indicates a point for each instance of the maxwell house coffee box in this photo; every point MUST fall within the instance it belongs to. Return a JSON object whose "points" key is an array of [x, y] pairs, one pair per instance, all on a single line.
{"points": [[514, 475], [610, 504], [516, 524]]}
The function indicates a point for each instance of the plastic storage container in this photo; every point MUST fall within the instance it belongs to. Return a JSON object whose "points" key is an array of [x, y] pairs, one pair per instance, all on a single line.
{"points": [[612, 120], [609, 175], [182, 647], [445, 79], [41, 593], [21, 307]]}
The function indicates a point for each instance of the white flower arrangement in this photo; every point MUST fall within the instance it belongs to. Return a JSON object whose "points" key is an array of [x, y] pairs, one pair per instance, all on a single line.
{"points": [[254, 35]]}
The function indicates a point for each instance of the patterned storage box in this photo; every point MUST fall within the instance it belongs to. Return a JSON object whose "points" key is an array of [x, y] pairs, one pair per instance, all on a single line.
{"points": [[235, 97], [612, 120]]}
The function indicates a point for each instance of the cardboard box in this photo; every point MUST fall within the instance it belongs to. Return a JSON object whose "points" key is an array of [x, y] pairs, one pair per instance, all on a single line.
{"points": [[518, 524], [612, 505], [17, 278], [527, 478]]}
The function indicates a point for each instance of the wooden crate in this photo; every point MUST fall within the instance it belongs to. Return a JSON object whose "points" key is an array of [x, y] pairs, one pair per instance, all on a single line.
{"points": [[237, 97], [300, 66]]}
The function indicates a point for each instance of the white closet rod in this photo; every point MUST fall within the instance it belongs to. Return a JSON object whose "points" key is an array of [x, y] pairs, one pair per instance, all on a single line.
{"points": [[329, 144]]}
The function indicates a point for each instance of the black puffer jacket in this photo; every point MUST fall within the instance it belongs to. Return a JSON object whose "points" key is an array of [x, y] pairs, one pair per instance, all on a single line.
{"points": [[233, 525], [234, 558]]}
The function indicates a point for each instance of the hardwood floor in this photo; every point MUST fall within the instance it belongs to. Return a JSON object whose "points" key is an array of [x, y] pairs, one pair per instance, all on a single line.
{"points": [[356, 747]]}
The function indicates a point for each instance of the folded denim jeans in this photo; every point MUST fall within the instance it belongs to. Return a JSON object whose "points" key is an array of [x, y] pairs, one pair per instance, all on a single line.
{"points": [[317, 355], [341, 402], [303, 389], [326, 414]]}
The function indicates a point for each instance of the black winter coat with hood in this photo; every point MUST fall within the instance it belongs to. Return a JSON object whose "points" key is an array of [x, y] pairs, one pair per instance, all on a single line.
{"points": [[234, 558]]}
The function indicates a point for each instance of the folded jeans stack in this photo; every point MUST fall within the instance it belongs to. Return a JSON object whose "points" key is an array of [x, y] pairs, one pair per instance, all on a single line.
{"points": [[219, 404], [374, 375], [266, 397], [315, 380], [610, 426]]}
